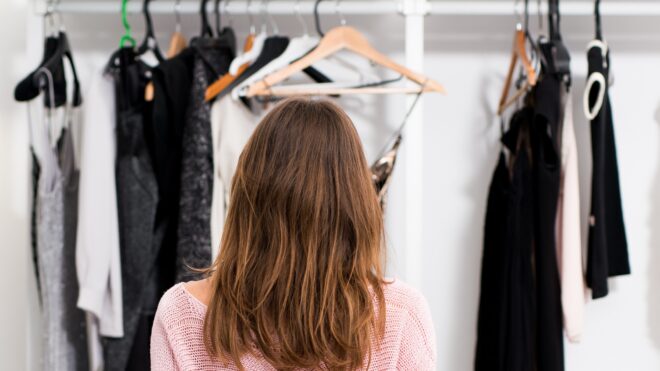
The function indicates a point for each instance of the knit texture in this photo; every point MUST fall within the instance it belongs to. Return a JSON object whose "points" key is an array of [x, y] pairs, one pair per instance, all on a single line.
{"points": [[408, 342]]}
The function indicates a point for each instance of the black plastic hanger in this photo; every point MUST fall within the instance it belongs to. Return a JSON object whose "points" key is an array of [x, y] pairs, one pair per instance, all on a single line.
{"points": [[149, 43], [27, 89], [226, 33], [554, 51], [56, 49]]}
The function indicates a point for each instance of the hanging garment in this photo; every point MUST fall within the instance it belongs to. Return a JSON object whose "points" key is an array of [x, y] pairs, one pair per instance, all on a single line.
{"points": [[232, 125], [172, 80], [569, 241], [137, 196], [607, 254], [64, 331], [97, 246], [545, 137], [381, 170], [505, 328], [73, 317], [36, 172], [212, 59]]}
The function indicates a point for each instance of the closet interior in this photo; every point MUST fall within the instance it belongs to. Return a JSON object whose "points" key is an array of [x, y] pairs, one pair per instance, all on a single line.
{"points": [[132, 159]]}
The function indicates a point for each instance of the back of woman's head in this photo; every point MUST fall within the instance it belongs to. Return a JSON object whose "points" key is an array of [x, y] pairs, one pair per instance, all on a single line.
{"points": [[301, 252]]}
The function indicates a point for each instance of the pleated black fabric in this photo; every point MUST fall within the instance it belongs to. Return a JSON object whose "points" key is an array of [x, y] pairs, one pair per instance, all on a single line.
{"points": [[505, 326], [607, 250], [520, 318], [172, 80], [548, 97]]}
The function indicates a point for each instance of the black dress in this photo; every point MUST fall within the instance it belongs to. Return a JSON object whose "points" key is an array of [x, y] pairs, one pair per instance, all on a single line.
{"points": [[608, 250], [548, 97], [520, 318], [505, 338]]}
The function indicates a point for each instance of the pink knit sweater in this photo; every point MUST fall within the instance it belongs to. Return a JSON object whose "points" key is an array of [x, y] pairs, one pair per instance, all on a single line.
{"points": [[408, 343]]}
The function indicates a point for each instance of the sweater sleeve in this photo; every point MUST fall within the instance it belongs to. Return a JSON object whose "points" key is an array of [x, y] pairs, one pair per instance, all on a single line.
{"points": [[418, 350], [161, 352], [97, 245]]}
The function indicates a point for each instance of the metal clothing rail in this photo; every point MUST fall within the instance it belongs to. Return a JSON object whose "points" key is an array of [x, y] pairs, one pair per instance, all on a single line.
{"points": [[366, 7]]}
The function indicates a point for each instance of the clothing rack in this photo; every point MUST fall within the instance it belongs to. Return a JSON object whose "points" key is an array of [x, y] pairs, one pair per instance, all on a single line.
{"points": [[366, 7], [414, 13]]}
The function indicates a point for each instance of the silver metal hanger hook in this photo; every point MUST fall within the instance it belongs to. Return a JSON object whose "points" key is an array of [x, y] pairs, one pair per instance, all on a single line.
{"points": [[539, 12], [273, 24], [518, 14], [225, 9], [253, 29], [264, 24], [296, 9], [177, 15], [342, 20]]}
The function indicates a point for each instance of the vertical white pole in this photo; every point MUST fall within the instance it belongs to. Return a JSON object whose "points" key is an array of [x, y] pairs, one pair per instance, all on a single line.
{"points": [[414, 11]]}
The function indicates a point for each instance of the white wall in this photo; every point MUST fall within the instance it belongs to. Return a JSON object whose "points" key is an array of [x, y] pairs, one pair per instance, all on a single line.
{"points": [[469, 55], [16, 283]]}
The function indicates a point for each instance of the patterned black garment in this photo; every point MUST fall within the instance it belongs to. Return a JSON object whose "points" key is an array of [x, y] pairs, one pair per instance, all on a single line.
{"points": [[608, 249], [212, 59], [505, 328]]}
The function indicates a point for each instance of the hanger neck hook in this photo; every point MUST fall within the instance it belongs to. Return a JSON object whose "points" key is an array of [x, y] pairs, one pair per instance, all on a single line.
{"points": [[518, 14], [127, 37], [296, 9], [264, 9], [147, 20], [526, 17], [218, 20], [342, 20], [248, 5], [177, 16], [271, 18], [317, 20], [539, 14], [599, 34], [225, 9]]}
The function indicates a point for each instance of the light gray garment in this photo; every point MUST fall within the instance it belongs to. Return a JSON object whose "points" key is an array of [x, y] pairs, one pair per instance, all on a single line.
{"points": [[64, 334]]}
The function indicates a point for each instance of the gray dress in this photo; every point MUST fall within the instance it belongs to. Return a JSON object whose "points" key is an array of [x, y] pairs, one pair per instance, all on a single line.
{"points": [[64, 332]]}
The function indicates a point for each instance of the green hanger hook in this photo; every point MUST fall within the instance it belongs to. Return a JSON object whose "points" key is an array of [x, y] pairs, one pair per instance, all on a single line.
{"points": [[127, 27]]}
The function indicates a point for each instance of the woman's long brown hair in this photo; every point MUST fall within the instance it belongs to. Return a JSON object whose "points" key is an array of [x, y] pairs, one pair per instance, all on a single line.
{"points": [[299, 273]]}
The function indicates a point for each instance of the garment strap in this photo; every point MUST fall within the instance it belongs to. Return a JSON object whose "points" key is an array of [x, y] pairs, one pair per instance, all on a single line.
{"points": [[397, 136]]}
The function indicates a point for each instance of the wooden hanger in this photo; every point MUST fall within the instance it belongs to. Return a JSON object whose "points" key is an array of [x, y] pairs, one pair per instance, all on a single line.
{"points": [[342, 38], [519, 52], [177, 44], [222, 83]]}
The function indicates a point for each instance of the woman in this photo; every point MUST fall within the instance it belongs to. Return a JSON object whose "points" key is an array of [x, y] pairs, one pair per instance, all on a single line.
{"points": [[298, 283]]}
